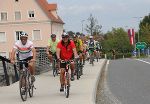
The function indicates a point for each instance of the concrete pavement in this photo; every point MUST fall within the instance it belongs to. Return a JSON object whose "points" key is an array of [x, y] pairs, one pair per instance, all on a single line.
{"points": [[82, 91]]}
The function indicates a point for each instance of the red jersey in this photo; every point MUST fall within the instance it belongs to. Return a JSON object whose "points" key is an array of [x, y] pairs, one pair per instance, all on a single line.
{"points": [[66, 52]]}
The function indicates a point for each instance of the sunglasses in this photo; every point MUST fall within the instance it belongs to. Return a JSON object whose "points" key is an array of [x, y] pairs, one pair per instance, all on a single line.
{"points": [[65, 37]]}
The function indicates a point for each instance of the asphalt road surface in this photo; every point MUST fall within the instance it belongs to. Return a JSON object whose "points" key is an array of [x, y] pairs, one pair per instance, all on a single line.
{"points": [[128, 80]]}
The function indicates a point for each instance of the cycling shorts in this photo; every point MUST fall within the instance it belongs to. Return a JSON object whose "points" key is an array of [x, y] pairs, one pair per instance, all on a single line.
{"points": [[26, 64]]}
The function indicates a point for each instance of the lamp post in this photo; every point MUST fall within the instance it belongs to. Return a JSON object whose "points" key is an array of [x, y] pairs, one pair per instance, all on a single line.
{"points": [[82, 24], [138, 35]]}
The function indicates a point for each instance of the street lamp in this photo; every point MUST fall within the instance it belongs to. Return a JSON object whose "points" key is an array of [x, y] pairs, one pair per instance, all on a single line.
{"points": [[138, 30], [82, 24]]}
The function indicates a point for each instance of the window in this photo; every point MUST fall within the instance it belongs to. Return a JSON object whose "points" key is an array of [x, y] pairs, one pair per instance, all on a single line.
{"points": [[36, 35], [2, 37], [3, 16], [17, 15], [31, 14], [18, 35]]}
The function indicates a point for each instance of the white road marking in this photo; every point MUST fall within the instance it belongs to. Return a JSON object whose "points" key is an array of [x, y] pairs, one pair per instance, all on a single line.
{"points": [[143, 61]]}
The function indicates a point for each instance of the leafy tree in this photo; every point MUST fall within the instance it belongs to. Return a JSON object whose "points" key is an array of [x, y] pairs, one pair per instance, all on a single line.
{"points": [[117, 40], [144, 31], [70, 33], [93, 25]]}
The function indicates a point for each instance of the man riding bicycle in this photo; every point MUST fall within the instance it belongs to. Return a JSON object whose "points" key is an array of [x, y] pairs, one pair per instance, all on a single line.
{"points": [[79, 46], [26, 52], [65, 51], [51, 47], [91, 47]]}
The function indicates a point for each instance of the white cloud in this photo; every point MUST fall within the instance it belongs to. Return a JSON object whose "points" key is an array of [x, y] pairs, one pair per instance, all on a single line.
{"points": [[76, 9]]}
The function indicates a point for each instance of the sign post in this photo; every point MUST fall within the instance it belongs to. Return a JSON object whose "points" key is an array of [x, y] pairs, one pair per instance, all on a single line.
{"points": [[140, 45]]}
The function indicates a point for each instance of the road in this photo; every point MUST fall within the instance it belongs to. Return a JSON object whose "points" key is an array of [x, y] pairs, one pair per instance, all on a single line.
{"points": [[128, 80]]}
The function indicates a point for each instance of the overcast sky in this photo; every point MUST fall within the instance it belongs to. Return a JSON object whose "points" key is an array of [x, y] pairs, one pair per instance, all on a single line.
{"points": [[109, 13]]}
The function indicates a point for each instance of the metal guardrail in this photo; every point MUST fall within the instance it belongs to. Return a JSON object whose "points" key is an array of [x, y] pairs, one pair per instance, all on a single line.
{"points": [[5, 62]]}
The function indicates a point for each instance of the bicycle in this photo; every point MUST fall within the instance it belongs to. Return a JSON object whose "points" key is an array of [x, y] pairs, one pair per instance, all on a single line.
{"points": [[67, 77], [54, 63], [91, 53], [25, 83], [78, 69], [97, 55]]}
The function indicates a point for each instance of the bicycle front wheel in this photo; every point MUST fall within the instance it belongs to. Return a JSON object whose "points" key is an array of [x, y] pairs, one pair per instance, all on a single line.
{"points": [[67, 85], [67, 91], [31, 85], [23, 87]]}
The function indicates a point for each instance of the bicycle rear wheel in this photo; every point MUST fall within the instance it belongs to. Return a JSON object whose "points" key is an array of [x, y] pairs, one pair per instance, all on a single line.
{"points": [[23, 87]]}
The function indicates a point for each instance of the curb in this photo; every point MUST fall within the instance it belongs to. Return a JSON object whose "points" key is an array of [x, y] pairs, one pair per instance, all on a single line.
{"points": [[97, 81]]}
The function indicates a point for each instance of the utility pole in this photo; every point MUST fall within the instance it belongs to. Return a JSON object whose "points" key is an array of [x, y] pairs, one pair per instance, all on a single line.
{"points": [[82, 24], [138, 34]]}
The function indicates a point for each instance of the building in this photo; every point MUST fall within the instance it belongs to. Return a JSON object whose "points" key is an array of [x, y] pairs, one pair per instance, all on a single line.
{"points": [[36, 17]]}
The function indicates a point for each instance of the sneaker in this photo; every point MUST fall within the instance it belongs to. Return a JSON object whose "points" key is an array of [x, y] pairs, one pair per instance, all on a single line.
{"points": [[61, 88], [72, 77], [32, 78]]}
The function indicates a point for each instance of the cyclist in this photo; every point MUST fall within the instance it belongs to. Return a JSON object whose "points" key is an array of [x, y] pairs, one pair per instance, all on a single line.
{"points": [[26, 52], [79, 46], [91, 46], [97, 47], [65, 51], [51, 47]]}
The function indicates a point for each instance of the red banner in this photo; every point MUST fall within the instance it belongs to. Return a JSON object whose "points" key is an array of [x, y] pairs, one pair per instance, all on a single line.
{"points": [[131, 35]]}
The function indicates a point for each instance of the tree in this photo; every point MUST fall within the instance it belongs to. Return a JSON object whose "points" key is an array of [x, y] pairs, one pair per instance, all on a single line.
{"points": [[117, 40], [71, 33], [93, 25], [144, 31]]}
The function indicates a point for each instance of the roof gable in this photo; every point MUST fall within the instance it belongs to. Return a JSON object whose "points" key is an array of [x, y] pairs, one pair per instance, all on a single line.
{"points": [[48, 8]]}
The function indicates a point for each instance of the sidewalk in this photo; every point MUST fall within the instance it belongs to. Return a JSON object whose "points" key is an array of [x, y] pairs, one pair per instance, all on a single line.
{"points": [[82, 91]]}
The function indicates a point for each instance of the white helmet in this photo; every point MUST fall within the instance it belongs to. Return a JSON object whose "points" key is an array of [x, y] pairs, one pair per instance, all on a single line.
{"points": [[23, 34], [65, 35]]}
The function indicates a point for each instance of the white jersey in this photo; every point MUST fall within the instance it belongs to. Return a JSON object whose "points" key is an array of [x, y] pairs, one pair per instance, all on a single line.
{"points": [[24, 50]]}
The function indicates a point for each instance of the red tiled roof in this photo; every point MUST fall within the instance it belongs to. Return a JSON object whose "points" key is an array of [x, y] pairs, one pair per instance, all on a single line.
{"points": [[52, 6], [47, 8]]}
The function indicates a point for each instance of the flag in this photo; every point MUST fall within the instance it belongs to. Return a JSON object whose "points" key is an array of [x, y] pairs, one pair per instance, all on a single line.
{"points": [[131, 35]]}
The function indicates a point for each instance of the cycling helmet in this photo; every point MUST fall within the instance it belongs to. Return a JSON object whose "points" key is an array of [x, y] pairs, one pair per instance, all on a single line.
{"points": [[23, 34], [53, 35], [75, 35], [65, 35]]}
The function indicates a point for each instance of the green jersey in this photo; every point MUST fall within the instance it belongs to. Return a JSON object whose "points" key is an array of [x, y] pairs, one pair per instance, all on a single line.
{"points": [[52, 45]]}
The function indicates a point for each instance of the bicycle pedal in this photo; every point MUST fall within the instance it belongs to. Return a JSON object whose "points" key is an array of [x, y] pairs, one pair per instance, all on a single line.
{"points": [[34, 87]]}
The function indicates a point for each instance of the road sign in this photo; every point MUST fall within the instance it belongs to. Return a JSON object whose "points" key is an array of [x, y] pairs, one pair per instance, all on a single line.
{"points": [[141, 45]]}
